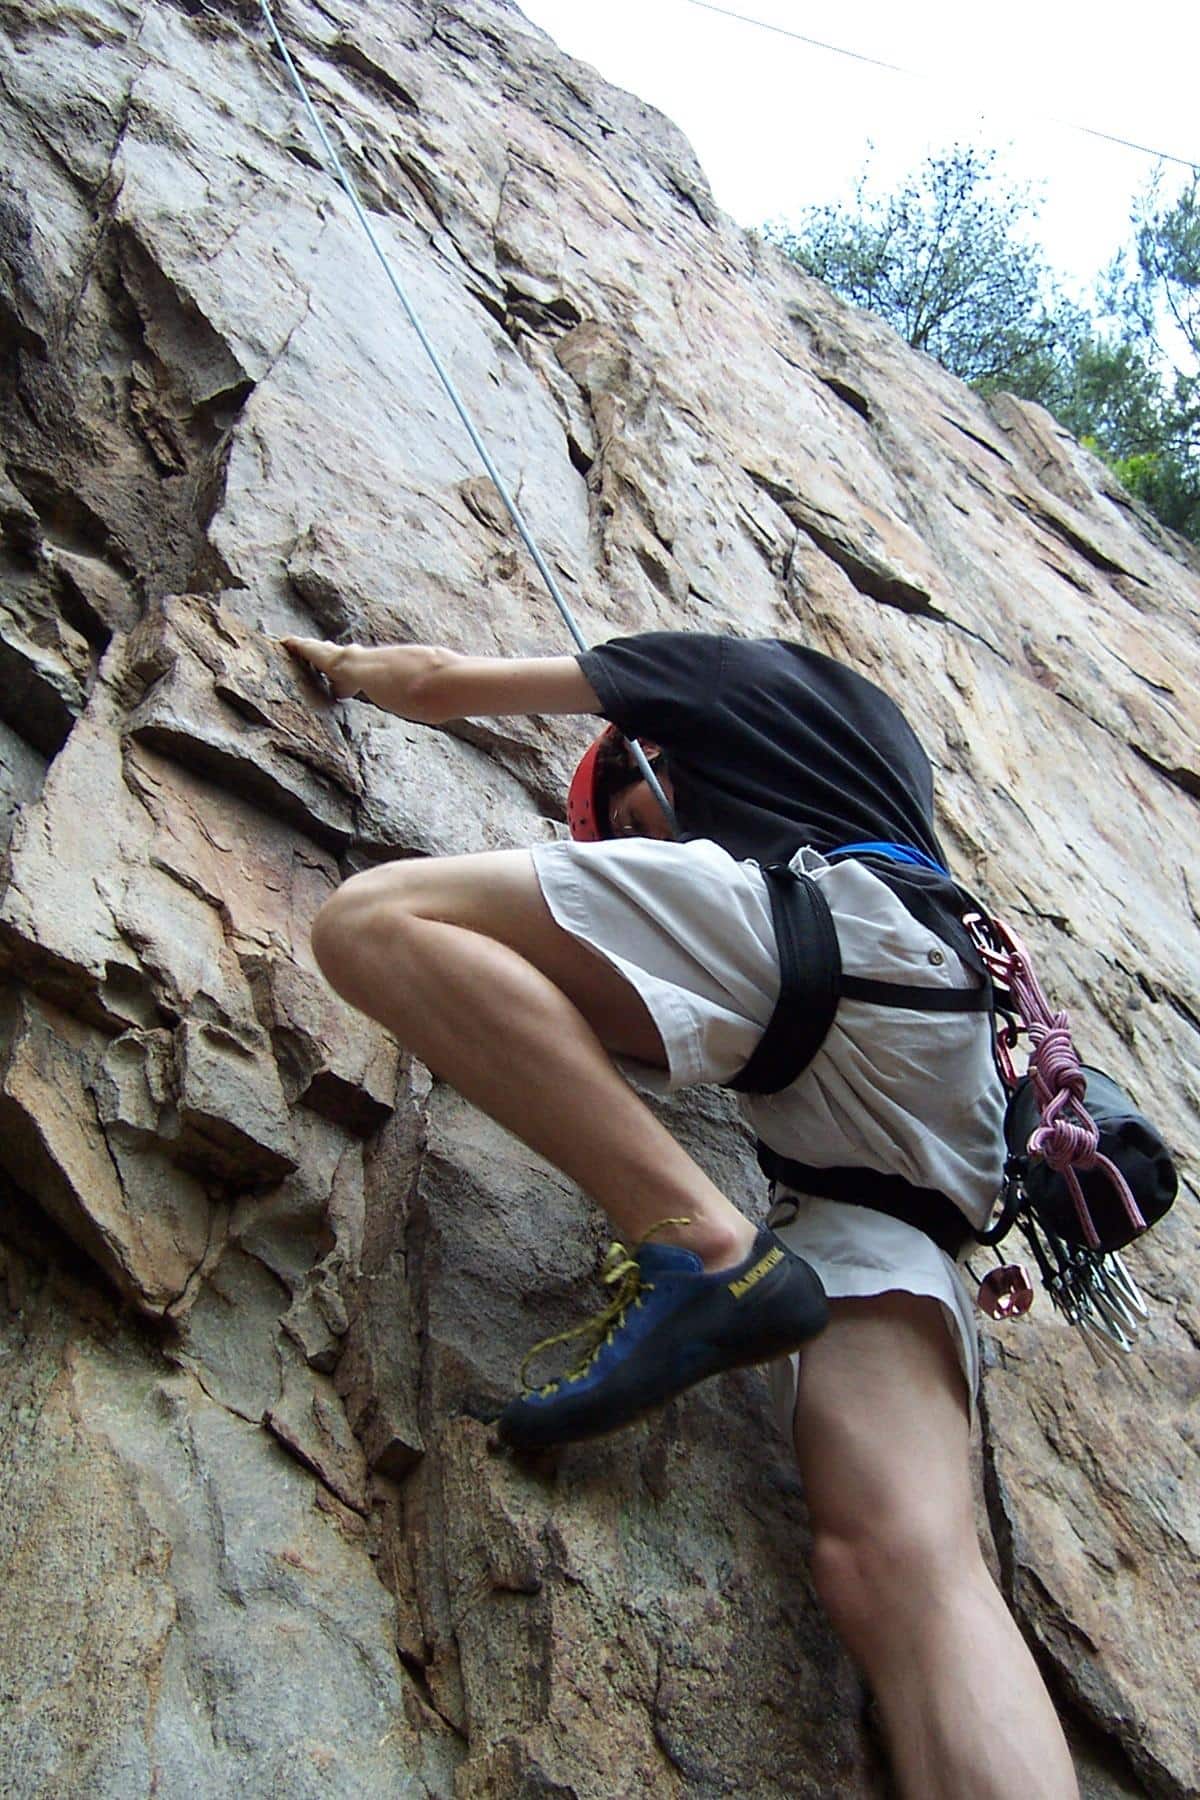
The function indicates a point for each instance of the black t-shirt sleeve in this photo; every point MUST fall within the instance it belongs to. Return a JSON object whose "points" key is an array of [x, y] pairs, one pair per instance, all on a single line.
{"points": [[659, 685]]}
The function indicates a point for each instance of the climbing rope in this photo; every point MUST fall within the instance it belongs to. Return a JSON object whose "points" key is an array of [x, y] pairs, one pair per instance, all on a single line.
{"points": [[1067, 1137], [456, 400]]}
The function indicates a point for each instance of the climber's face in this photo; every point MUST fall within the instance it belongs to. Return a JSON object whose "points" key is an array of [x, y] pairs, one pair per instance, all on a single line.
{"points": [[634, 812]]}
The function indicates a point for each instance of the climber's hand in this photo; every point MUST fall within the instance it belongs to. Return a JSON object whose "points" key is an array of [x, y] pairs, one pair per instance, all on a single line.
{"points": [[337, 662], [403, 678], [432, 685]]}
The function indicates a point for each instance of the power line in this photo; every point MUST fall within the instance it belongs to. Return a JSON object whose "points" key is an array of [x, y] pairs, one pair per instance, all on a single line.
{"points": [[918, 75]]}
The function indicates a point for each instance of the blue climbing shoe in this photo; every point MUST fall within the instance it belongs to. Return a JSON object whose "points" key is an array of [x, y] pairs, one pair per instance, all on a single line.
{"points": [[669, 1325]]}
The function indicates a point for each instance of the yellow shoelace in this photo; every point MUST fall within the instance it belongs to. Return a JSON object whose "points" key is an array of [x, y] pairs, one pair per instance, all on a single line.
{"points": [[621, 1271]]}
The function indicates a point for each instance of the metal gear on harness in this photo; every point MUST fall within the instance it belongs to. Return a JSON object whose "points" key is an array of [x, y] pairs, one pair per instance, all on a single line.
{"points": [[1081, 1181], [1086, 1171]]}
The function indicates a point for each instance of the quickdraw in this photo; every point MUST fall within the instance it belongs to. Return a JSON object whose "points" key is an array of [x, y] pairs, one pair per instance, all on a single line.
{"points": [[1064, 1187]]}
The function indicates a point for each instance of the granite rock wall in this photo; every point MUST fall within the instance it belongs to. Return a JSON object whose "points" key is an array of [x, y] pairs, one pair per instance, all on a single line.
{"points": [[264, 1281]]}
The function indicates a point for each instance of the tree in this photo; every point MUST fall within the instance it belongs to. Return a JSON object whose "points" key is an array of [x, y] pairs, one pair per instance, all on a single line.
{"points": [[942, 259], [1113, 397], [1138, 395], [1160, 294]]}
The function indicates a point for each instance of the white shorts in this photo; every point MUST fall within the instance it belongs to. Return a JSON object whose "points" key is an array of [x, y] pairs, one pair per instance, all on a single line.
{"points": [[903, 1092]]}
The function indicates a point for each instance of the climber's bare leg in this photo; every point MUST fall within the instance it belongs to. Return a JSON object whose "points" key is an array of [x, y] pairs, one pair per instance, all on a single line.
{"points": [[881, 1438], [461, 959]]}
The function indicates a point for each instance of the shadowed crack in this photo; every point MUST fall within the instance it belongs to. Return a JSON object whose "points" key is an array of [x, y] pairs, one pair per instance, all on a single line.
{"points": [[559, 314], [67, 521], [372, 73], [1059, 528], [974, 438], [870, 578], [1156, 687], [418, 1673], [104, 194], [1161, 994], [868, 574], [1186, 780], [849, 396], [218, 1237]]}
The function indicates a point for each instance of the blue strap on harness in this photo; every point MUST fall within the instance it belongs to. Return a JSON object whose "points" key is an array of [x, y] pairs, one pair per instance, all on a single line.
{"points": [[902, 853]]}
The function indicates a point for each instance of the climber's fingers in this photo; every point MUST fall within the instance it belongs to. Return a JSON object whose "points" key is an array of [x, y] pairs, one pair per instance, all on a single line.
{"points": [[339, 663]]}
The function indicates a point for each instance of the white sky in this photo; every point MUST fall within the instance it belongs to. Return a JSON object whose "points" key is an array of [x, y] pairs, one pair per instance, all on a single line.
{"points": [[779, 125]]}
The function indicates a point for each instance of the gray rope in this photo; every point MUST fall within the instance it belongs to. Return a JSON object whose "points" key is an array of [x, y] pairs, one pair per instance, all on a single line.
{"points": [[456, 400]]}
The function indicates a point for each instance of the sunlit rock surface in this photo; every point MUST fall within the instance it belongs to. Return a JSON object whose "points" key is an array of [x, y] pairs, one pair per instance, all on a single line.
{"points": [[264, 1282]]}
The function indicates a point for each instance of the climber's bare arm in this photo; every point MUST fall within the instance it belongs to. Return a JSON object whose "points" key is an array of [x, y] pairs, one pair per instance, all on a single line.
{"points": [[431, 685]]}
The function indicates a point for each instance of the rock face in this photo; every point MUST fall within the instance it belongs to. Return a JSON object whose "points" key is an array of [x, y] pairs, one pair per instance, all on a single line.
{"points": [[264, 1281]]}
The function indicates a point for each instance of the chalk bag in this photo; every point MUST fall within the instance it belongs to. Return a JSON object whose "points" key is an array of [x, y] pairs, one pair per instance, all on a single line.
{"points": [[1096, 1214]]}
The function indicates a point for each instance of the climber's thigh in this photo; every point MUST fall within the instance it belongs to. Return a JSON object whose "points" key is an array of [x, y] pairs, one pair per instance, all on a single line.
{"points": [[882, 1429], [497, 893]]}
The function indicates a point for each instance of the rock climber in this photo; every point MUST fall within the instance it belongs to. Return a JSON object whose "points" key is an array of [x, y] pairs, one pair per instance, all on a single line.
{"points": [[523, 977]]}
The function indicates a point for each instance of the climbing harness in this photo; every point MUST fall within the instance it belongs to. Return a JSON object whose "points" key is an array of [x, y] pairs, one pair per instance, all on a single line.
{"points": [[812, 981], [455, 398], [1081, 1181]]}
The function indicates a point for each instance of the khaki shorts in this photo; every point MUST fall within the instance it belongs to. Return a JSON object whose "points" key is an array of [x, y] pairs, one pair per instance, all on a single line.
{"points": [[909, 1093]]}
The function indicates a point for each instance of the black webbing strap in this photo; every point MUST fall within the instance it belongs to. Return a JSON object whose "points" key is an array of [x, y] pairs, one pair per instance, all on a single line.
{"points": [[811, 984], [921, 999], [810, 978], [929, 1210]]}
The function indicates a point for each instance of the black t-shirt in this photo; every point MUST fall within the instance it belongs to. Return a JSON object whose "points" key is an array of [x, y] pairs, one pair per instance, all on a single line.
{"points": [[772, 745]]}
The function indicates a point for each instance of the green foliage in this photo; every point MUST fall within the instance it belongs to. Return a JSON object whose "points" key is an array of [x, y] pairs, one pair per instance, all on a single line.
{"points": [[1143, 403], [1169, 484], [1109, 395], [1116, 400], [942, 260], [1161, 293]]}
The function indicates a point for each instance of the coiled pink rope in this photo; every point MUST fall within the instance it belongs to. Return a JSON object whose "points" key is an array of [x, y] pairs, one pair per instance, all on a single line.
{"points": [[1068, 1138]]}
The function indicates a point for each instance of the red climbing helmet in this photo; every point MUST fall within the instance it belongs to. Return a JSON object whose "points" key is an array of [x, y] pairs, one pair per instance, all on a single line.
{"points": [[593, 783], [587, 813]]}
